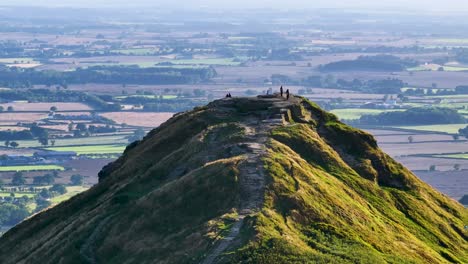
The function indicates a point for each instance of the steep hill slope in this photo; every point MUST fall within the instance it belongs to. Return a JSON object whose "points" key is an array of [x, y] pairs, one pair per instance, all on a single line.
{"points": [[249, 180]]}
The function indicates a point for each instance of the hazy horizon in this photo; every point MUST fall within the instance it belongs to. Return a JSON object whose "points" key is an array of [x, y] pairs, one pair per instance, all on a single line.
{"points": [[431, 6]]}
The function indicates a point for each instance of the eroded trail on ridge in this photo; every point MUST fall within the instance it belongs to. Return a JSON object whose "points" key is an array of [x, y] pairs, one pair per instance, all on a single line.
{"points": [[251, 177]]}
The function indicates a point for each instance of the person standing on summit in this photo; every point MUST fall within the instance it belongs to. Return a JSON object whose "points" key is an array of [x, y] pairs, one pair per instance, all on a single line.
{"points": [[281, 90], [287, 94]]}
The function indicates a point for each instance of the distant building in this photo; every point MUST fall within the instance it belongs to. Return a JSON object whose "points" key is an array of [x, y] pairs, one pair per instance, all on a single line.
{"points": [[56, 155]]}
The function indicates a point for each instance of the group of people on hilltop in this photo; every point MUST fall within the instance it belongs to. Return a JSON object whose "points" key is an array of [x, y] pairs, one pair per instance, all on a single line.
{"points": [[228, 95], [287, 92]]}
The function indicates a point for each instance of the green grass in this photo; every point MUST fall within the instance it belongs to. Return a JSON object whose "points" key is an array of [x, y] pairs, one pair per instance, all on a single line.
{"points": [[17, 194], [166, 97], [452, 40], [92, 150], [31, 168], [454, 156], [356, 113], [220, 61], [71, 191], [16, 60], [135, 51], [450, 128], [452, 96], [95, 140], [436, 68]]}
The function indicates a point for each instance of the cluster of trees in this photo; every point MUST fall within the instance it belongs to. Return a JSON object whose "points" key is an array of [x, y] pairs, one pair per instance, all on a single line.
{"points": [[18, 179], [82, 129], [461, 55], [382, 86], [463, 89], [48, 95], [463, 132], [34, 132], [370, 63], [9, 108], [137, 135], [14, 209], [415, 116], [25, 78], [11, 214]]}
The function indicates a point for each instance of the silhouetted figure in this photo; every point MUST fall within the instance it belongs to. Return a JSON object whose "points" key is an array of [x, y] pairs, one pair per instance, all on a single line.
{"points": [[230, 96], [281, 91], [287, 94], [227, 95]]}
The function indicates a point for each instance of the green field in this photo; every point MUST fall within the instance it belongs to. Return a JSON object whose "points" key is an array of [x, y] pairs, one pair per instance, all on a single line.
{"points": [[17, 194], [450, 128], [356, 113], [136, 51], [166, 97], [104, 140], [71, 191], [221, 61], [92, 150], [31, 168], [454, 156], [452, 40], [436, 68], [17, 60]]}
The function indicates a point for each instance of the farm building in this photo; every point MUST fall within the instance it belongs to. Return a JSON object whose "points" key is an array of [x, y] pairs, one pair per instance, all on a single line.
{"points": [[56, 155]]}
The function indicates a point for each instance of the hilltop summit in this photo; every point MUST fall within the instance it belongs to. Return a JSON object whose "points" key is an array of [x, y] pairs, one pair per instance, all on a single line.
{"points": [[249, 180]]}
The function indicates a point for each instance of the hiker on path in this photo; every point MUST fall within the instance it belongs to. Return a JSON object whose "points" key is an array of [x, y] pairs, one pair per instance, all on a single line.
{"points": [[287, 94], [281, 91]]}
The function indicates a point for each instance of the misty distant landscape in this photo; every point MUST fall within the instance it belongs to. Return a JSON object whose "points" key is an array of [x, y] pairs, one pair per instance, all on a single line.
{"points": [[78, 84]]}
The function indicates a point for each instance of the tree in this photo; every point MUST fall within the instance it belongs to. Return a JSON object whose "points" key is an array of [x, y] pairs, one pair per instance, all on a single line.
{"points": [[52, 142], [77, 179], [463, 132], [410, 139], [432, 168], [12, 214], [44, 141], [53, 109], [137, 135], [18, 179], [45, 194], [48, 179], [456, 137], [81, 127], [42, 204], [58, 188], [14, 144], [10, 108], [7, 143], [456, 167]]}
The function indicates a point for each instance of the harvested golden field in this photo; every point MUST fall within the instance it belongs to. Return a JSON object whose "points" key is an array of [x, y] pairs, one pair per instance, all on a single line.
{"points": [[25, 106], [12, 128], [13, 118], [139, 118]]}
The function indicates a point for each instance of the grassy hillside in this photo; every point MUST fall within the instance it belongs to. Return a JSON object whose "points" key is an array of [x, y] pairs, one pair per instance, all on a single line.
{"points": [[330, 196]]}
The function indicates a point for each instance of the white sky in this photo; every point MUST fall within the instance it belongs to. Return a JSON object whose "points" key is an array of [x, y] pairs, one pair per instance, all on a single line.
{"points": [[431, 5]]}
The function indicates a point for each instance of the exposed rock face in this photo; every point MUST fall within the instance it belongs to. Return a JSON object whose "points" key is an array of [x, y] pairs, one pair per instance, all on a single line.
{"points": [[249, 180]]}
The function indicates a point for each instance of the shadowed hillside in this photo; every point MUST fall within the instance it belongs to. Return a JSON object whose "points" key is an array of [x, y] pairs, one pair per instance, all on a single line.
{"points": [[249, 180]]}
